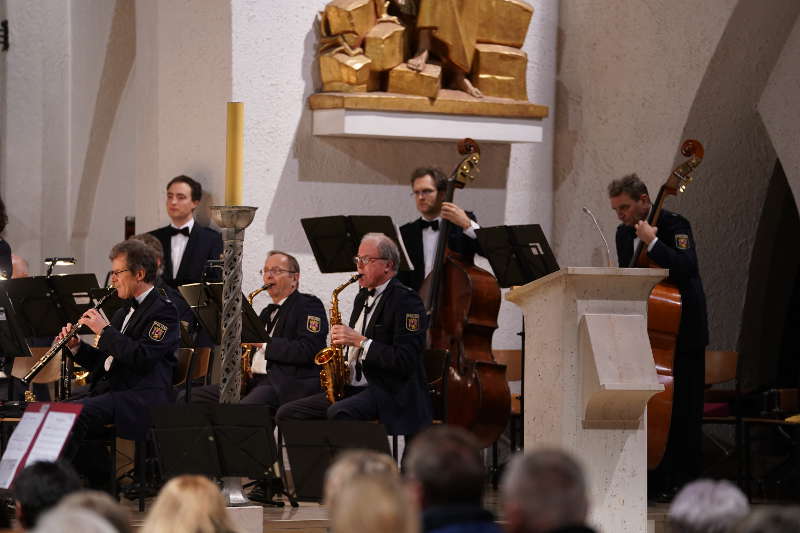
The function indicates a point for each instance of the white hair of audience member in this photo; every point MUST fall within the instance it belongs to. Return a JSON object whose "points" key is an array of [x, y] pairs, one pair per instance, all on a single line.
{"points": [[771, 519], [66, 520], [707, 506], [544, 490]]}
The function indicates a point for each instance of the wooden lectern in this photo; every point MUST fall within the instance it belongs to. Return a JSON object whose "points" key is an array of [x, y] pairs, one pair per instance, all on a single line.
{"points": [[589, 373]]}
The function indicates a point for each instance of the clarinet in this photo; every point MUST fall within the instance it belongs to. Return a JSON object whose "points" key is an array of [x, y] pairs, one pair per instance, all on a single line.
{"points": [[46, 358]]}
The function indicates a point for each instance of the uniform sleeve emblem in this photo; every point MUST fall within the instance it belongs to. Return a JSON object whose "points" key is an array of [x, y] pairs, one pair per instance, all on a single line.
{"points": [[313, 324], [682, 241], [412, 321], [157, 331]]}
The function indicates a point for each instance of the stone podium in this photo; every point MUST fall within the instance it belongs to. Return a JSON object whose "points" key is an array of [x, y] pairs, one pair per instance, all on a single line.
{"points": [[589, 373]]}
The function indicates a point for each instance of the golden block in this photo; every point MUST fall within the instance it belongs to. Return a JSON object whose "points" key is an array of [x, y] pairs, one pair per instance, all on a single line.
{"points": [[350, 18], [339, 70], [384, 45], [403, 80], [504, 22], [500, 71]]}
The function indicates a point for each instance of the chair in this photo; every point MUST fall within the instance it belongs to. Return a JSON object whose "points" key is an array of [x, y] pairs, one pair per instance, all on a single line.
{"points": [[49, 374], [192, 365], [721, 406]]}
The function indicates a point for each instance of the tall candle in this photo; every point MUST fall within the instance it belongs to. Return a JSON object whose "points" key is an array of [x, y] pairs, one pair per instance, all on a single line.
{"points": [[234, 156]]}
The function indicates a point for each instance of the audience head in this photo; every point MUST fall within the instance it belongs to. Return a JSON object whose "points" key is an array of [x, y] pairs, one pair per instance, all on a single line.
{"points": [[101, 504], [39, 487], [444, 466], [707, 506], [771, 519], [543, 490], [188, 504], [354, 463], [374, 503], [64, 519]]}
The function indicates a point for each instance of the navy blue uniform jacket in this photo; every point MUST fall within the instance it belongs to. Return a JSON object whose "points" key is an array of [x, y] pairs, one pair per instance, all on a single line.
{"points": [[204, 244], [144, 359], [300, 332], [412, 238], [393, 365], [675, 250]]}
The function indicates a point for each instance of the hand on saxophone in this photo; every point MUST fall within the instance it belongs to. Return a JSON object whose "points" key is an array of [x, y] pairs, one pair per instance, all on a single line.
{"points": [[73, 342], [345, 336], [94, 320]]}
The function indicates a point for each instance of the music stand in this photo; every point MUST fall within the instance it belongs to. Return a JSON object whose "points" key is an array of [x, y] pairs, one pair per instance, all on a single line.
{"points": [[12, 340], [335, 240], [312, 445], [518, 254], [216, 440], [205, 300]]}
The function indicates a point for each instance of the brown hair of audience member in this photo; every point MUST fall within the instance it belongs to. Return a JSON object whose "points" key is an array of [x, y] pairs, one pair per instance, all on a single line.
{"points": [[445, 467], [102, 504], [188, 504], [771, 519], [543, 490], [374, 503], [354, 463]]}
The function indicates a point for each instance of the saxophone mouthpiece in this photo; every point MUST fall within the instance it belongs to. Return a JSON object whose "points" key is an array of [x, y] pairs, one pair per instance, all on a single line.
{"points": [[267, 286]]}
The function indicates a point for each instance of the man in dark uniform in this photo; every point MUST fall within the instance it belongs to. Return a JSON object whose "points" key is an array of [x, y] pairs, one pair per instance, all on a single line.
{"points": [[671, 245], [428, 186], [384, 343], [132, 359], [284, 369], [187, 245]]}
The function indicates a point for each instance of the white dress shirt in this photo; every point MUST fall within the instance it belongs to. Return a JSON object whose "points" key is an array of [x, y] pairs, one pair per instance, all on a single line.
{"points": [[178, 246], [355, 353], [259, 360], [429, 238]]}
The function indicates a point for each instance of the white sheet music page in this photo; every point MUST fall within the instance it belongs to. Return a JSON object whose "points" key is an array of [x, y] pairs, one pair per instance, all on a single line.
{"points": [[52, 437], [18, 444]]}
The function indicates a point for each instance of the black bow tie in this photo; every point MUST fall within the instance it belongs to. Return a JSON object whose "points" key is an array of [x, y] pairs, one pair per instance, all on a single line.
{"points": [[271, 308], [433, 224], [134, 303], [365, 292], [174, 231]]}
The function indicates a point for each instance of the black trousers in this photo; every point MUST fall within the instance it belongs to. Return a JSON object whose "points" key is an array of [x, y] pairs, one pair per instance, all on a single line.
{"points": [[683, 459], [358, 404]]}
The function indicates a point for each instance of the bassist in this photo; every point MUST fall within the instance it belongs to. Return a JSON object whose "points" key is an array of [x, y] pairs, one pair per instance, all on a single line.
{"points": [[670, 245]]}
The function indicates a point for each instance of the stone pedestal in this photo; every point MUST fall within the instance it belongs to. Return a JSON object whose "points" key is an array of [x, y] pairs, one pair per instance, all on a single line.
{"points": [[589, 372]]}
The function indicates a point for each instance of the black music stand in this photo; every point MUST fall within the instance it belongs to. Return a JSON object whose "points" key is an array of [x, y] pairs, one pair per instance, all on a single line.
{"points": [[216, 440], [518, 254], [312, 445], [12, 340], [205, 300], [335, 240]]}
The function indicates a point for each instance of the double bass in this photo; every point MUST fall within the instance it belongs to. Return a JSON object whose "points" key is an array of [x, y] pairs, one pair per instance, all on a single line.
{"points": [[664, 313], [462, 302]]}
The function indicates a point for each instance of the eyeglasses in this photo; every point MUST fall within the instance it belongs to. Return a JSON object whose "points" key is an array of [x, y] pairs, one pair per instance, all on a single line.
{"points": [[365, 260], [423, 192], [275, 271], [116, 273]]}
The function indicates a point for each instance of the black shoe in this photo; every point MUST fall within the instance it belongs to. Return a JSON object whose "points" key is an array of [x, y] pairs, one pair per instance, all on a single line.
{"points": [[265, 490]]}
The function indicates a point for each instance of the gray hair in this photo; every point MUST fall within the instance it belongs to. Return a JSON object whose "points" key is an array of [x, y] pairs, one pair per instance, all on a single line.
{"points": [[63, 519], [707, 506], [102, 504], [549, 489], [630, 185], [138, 256], [387, 248]]}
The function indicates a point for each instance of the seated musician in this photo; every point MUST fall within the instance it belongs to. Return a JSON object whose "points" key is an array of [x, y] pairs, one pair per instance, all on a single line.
{"points": [[284, 370], [428, 186], [670, 245], [131, 361], [384, 344]]}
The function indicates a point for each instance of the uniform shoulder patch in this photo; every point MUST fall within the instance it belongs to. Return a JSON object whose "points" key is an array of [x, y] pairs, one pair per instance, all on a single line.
{"points": [[157, 331], [313, 323], [682, 241], [412, 321]]}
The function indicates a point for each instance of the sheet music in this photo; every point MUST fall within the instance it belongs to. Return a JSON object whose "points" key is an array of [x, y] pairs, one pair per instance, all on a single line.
{"points": [[18, 445], [52, 437]]}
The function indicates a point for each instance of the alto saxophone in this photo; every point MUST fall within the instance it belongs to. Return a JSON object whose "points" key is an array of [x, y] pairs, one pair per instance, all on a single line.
{"points": [[335, 373], [247, 349]]}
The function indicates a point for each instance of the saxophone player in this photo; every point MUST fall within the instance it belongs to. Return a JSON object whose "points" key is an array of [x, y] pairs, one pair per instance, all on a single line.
{"points": [[284, 370], [384, 343]]}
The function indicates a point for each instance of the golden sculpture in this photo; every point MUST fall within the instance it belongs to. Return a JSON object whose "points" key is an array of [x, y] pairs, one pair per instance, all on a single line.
{"points": [[465, 51]]}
